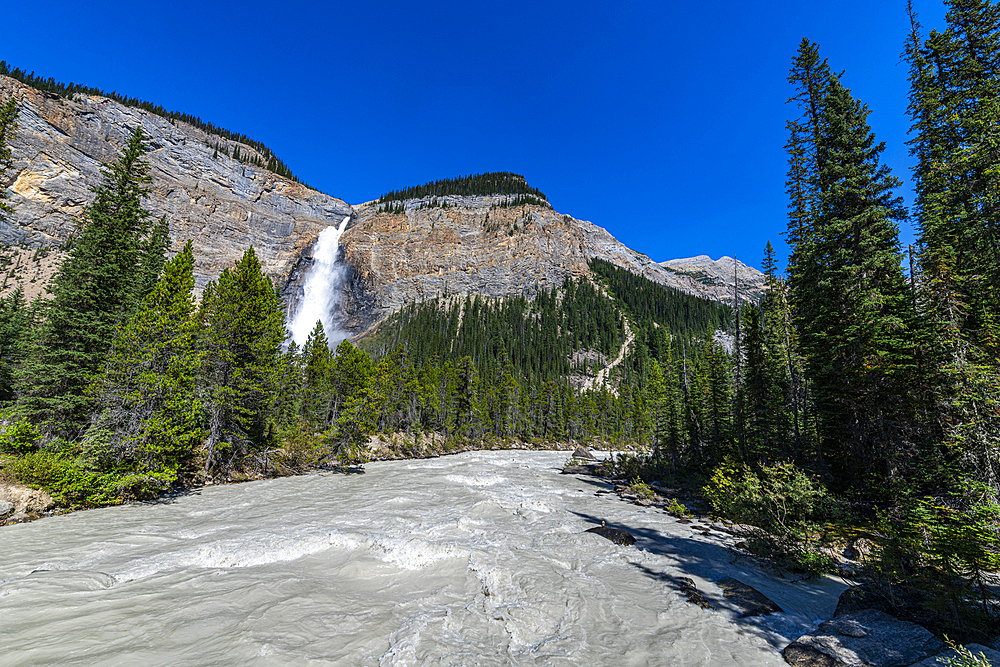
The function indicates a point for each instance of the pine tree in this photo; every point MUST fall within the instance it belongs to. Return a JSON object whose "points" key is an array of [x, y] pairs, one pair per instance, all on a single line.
{"points": [[854, 319], [92, 291], [152, 258], [243, 328], [955, 109], [149, 419], [317, 368]]}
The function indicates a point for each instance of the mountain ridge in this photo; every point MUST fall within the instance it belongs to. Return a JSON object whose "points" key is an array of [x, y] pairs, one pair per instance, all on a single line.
{"points": [[493, 245]]}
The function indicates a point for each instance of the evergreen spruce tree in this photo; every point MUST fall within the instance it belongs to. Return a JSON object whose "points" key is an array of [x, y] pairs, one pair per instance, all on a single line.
{"points": [[93, 290], [955, 109], [317, 362], [149, 419], [855, 318], [243, 330]]}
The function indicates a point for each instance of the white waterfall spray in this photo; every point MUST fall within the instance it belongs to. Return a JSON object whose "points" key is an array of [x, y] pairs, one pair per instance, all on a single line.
{"points": [[321, 289]]}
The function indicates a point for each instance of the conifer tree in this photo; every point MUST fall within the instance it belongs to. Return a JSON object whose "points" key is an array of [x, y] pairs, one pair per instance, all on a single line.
{"points": [[317, 364], [243, 330], [149, 419], [92, 291], [854, 319], [955, 109]]}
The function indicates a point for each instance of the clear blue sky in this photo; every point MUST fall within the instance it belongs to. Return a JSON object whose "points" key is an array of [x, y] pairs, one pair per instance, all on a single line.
{"points": [[662, 121]]}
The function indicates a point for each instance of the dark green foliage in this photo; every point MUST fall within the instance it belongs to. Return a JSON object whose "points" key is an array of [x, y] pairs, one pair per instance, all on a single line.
{"points": [[955, 109], [852, 309], [50, 85], [547, 330], [94, 289], [649, 305], [497, 183], [149, 417], [243, 328], [15, 323]]}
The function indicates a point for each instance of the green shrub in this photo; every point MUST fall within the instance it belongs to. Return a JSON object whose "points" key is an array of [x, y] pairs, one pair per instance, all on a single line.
{"points": [[641, 489], [950, 552], [677, 509], [65, 480], [781, 500], [20, 437]]}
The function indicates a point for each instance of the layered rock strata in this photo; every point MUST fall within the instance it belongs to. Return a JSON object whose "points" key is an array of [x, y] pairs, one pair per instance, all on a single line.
{"points": [[223, 205]]}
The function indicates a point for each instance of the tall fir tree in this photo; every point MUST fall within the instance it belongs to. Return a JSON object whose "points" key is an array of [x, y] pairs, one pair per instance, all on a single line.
{"points": [[8, 131], [855, 319], [243, 329], [955, 111], [92, 291], [149, 419]]}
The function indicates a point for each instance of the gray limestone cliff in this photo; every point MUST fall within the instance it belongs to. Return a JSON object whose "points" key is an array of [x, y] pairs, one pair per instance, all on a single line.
{"points": [[222, 205], [461, 245]]}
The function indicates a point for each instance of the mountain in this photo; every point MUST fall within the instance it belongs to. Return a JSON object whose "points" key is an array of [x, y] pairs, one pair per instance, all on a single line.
{"points": [[722, 273], [405, 247], [222, 204]]}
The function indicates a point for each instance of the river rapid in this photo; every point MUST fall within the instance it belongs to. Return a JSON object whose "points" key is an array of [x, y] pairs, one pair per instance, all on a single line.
{"points": [[475, 559]]}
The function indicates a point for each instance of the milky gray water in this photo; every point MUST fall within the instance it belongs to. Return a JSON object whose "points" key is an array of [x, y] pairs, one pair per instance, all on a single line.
{"points": [[474, 559]]}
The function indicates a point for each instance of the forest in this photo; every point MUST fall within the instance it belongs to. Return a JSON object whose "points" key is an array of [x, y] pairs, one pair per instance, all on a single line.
{"points": [[854, 401], [496, 183]]}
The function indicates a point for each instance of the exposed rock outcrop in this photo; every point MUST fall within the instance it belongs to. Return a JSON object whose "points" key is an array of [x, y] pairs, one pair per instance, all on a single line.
{"points": [[221, 204], [24, 499], [867, 638], [723, 273], [462, 245]]}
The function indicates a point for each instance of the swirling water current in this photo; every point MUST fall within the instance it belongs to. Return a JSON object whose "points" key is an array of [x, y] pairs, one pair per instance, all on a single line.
{"points": [[475, 559]]}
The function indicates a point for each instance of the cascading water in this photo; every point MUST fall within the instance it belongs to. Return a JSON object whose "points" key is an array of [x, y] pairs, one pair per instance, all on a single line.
{"points": [[321, 290]]}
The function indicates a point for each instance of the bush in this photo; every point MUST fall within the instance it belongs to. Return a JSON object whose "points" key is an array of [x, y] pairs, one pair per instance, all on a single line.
{"points": [[20, 437], [65, 480], [947, 548], [784, 502], [641, 489]]}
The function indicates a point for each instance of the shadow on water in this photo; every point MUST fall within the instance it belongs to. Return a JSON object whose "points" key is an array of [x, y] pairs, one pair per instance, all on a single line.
{"points": [[706, 560]]}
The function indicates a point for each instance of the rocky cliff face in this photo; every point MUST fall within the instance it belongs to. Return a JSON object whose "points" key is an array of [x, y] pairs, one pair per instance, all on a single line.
{"points": [[462, 245], [723, 274], [222, 205], [471, 245]]}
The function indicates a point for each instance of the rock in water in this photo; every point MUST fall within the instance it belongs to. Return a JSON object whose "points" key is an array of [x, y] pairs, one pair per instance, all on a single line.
{"points": [[870, 637], [5, 508], [584, 454], [750, 601], [616, 535], [692, 593]]}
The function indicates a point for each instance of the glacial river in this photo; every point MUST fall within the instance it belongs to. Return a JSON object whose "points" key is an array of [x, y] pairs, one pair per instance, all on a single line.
{"points": [[474, 559]]}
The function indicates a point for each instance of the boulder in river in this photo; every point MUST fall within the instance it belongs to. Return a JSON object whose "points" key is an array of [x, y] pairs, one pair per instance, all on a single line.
{"points": [[584, 454], [693, 595], [584, 469], [748, 599], [616, 535], [6, 507], [870, 637]]}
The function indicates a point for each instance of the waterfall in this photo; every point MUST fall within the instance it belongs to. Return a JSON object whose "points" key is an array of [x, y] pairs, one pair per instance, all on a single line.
{"points": [[322, 288]]}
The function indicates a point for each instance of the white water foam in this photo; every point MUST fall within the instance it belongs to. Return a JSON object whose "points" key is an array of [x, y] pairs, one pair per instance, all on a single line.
{"points": [[474, 559], [321, 290]]}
